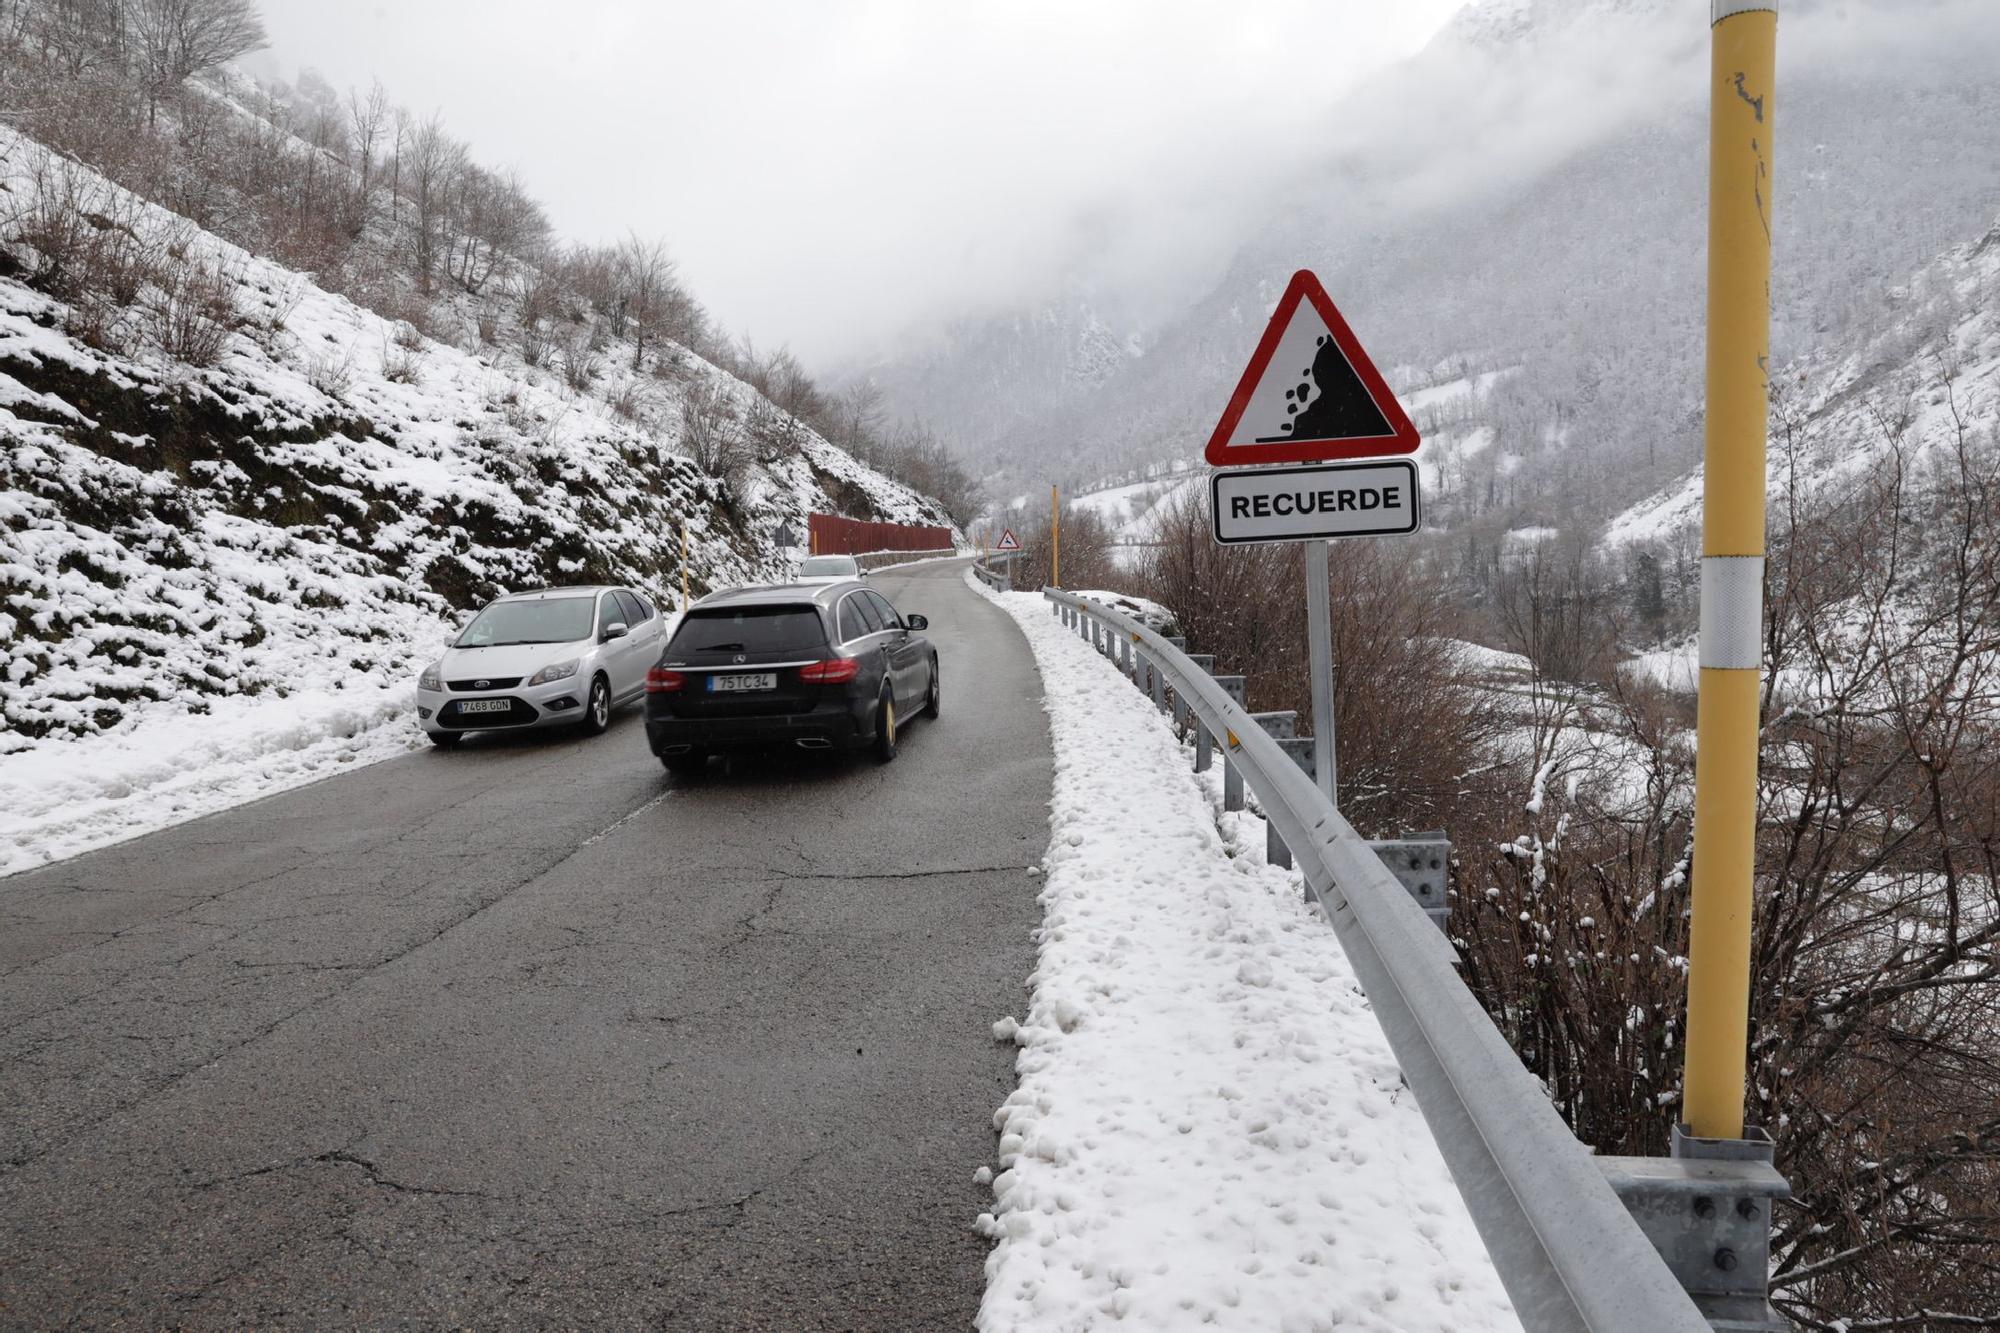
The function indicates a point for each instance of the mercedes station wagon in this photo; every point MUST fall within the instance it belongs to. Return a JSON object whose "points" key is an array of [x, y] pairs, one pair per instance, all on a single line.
{"points": [[553, 657], [799, 666]]}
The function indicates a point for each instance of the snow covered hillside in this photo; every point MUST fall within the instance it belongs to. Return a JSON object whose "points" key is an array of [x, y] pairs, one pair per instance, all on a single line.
{"points": [[238, 512]]}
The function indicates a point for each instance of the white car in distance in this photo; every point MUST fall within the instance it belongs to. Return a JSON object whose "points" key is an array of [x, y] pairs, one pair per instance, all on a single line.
{"points": [[552, 657], [830, 569]]}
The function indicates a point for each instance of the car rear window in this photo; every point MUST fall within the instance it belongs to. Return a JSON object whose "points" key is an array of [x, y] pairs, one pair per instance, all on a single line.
{"points": [[823, 565], [750, 629]]}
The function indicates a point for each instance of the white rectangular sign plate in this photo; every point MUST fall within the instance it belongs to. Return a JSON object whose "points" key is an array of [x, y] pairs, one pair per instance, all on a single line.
{"points": [[1293, 504]]}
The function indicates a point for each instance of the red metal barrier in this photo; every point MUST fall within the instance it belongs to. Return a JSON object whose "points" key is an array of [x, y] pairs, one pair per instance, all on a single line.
{"points": [[834, 535]]}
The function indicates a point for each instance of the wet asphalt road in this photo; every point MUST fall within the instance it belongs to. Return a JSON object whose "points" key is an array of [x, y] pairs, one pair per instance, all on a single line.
{"points": [[528, 1034]]}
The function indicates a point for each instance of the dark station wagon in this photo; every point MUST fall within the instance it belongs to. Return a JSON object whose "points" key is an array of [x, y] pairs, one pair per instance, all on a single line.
{"points": [[810, 666]]}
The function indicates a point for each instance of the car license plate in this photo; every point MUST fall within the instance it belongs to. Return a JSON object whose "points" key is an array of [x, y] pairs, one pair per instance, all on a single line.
{"points": [[762, 680], [484, 705]]}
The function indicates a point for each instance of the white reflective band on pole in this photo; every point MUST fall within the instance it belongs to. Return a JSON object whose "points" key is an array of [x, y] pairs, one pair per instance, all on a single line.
{"points": [[1722, 9], [1732, 611]]}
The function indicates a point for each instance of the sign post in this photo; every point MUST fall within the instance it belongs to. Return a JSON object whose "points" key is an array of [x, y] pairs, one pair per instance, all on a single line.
{"points": [[1319, 651], [1310, 394]]}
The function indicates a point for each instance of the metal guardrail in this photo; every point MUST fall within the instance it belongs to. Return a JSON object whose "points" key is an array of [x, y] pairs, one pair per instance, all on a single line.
{"points": [[881, 559], [1570, 1254], [1000, 580]]}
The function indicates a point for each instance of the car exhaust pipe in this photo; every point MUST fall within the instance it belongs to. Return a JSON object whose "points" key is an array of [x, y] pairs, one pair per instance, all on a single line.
{"points": [[813, 743]]}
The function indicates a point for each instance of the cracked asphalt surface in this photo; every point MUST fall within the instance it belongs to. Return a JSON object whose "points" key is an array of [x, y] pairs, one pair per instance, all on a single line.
{"points": [[530, 1034]]}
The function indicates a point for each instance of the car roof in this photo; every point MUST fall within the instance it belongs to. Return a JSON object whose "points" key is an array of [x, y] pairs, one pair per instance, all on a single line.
{"points": [[780, 594], [541, 594]]}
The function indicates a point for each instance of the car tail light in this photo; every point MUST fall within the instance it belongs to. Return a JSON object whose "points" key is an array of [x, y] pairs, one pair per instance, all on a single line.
{"points": [[662, 681], [833, 671]]}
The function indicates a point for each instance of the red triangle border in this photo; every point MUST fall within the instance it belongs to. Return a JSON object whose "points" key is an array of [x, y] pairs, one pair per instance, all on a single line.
{"points": [[1402, 439]]}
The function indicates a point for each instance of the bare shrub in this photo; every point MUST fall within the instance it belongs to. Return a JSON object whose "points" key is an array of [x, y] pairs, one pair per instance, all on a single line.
{"points": [[408, 338], [401, 365], [1554, 605], [84, 237], [332, 374], [712, 432], [580, 359], [1875, 985], [627, 401], [196, 311], [538, 343], [1398, 672], [487, 323], [1088, 558]]}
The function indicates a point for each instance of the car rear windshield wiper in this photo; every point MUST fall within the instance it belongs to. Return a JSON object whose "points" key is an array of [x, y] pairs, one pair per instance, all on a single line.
{"points": [[720, 648]]}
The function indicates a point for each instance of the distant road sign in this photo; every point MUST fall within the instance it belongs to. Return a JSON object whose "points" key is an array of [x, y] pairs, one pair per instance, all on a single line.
{"points": [[1305, 503], [1008, 541], [1310, 392], [785, 536]]}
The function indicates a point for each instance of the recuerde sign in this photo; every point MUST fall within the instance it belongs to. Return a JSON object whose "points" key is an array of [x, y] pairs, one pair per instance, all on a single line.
{"points": [[1373, 499]]}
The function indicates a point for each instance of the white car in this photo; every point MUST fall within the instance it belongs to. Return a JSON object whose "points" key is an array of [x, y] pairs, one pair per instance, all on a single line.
{"points": [[830, 569], [553, 657]]}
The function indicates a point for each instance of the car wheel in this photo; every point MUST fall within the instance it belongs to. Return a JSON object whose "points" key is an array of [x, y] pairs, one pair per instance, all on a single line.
{"points": [[885, 725], [934, 701], [689, 764], [444, 740], [597, 713]]}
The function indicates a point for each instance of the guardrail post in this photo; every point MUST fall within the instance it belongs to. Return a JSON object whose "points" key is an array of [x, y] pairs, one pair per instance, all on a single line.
{"points": [[1707, 1209], [1282, 727], [1203, 662], [1232, 776], [1420, 864]]}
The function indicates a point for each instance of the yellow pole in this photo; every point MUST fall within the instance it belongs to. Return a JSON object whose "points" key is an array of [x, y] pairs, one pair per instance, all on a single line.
{"points": [[684, 566], [1055, 552], [1743, 42]]}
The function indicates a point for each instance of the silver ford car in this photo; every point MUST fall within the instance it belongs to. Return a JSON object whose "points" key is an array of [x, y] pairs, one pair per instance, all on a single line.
{"points": [[554, 657]]}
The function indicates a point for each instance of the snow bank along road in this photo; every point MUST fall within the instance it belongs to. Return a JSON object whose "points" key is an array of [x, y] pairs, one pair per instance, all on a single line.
{"points": [[1210, 1130], [525, 1034]]}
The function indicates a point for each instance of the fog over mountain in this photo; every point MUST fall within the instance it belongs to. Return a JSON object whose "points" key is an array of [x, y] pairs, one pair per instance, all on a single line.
{"points": [[1527, 195]]}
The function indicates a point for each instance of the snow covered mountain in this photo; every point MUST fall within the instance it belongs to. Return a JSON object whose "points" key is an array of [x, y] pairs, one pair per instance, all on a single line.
{"points": [[238, 512], [981, 380], [1920, 385], [1526, 195]]}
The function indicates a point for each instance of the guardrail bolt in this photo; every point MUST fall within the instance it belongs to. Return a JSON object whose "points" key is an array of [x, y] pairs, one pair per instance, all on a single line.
{"points": [[1704, 1207], [1726, 1260], [1747, 1209]]}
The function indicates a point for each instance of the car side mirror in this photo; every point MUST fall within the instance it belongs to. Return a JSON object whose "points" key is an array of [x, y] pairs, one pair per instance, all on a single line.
{"points": [[617, 629], [915, 621]]}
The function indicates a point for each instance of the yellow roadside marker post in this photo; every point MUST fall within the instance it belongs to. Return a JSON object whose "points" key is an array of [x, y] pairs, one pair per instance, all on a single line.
{"points": [[1707, 1206], [1055, 553], [1743, 42]]}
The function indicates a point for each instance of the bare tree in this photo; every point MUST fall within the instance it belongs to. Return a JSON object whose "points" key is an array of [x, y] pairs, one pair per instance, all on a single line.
{"points": [[646, 277], [435, 162], [367, 120], [174, 40]]}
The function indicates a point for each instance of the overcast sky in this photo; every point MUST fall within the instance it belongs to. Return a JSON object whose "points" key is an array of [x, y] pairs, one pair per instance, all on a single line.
{"points": [[829, 172]]}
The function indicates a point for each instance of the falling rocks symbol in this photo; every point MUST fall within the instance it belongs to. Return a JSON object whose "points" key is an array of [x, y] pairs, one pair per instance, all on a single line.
{"points": [[1336, 404]]}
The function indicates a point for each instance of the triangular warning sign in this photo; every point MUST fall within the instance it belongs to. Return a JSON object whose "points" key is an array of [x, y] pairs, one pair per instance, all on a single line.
{"points": [[1310, 392], [1008, 541]]}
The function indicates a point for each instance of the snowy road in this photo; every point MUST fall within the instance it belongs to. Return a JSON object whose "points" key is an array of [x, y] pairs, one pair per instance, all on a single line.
{"points": [[525, 1035]]}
